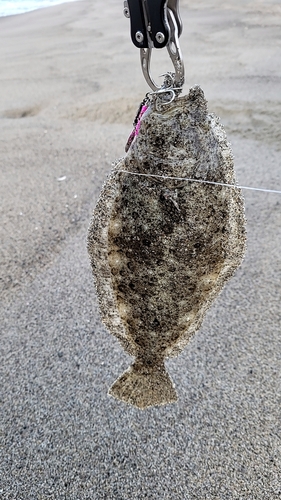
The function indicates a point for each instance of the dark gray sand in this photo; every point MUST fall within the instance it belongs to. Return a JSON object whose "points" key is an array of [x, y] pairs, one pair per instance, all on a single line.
{"points": [[62, 437]]}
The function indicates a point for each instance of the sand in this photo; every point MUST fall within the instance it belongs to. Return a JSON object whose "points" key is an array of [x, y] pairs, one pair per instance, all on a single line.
{"points": [[70, 86]]}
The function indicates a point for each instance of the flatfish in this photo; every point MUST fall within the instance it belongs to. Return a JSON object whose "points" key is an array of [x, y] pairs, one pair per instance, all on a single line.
{"points": [[162, 247]]}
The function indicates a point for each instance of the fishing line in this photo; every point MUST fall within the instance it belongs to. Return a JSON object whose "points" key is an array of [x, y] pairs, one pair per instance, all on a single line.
{"points": [[202, 181]]}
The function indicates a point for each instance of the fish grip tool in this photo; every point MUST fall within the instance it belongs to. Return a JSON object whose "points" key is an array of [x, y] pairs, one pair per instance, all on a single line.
{"points": [[157, 24]]}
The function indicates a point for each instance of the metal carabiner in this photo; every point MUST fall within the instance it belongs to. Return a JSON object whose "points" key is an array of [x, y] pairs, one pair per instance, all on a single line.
{"points": [[157, 24], [174, 53]]}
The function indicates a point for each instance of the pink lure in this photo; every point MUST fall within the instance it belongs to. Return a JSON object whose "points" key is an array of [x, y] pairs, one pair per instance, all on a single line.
{"points": [[136, 129]]}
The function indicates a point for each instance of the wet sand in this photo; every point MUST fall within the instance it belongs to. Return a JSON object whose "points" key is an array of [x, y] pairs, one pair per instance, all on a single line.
{"points": [[70, 86]]}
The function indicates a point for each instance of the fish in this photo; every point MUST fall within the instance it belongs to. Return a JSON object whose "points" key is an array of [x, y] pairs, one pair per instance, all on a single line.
{"points": [[161, 246]]}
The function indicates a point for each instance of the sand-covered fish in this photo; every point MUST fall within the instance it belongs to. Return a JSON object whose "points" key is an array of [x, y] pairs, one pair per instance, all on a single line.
{"points": [[162, 249]]}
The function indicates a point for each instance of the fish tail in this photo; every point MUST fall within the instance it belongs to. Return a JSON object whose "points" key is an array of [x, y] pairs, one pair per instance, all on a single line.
{"points": [[143, 387]]}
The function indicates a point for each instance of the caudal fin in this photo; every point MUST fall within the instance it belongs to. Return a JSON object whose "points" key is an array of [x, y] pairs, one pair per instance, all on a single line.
{"points": [[144, 387]]}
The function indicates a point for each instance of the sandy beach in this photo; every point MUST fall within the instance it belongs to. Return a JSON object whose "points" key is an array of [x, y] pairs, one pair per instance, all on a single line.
{"points": [[71, 84]]}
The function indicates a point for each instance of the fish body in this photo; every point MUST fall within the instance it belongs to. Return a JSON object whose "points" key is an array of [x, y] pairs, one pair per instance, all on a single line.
{"points": [[162, 249]]}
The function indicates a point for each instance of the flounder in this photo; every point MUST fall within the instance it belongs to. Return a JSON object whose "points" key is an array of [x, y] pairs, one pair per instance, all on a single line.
{"points": [[162, 249]]}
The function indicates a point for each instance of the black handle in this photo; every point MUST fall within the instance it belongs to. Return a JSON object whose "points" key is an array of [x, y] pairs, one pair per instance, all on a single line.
{"points": [[153, 12], [160, 31], [138, 28]]}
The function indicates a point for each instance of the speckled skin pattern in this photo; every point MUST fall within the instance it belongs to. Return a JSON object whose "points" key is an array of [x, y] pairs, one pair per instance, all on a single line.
{"points": [[161, 250]]}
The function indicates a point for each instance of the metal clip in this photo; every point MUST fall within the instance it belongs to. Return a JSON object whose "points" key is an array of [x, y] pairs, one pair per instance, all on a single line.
{"points": [[157, 24]]}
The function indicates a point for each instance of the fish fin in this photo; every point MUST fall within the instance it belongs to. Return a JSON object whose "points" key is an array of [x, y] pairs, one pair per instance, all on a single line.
{"points": [[142, 387]]}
